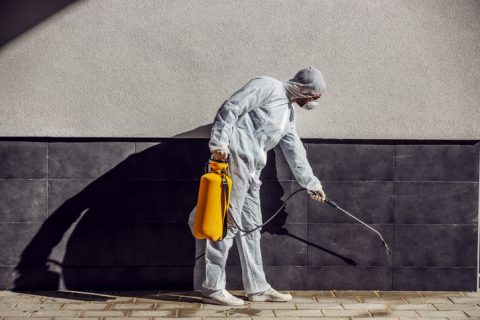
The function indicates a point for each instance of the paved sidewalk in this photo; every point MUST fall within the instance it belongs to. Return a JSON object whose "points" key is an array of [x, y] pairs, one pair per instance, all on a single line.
{"points": [[305, 305]]}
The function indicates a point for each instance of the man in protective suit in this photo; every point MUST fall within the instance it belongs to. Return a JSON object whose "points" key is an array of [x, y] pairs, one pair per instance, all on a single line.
{"points": [[248, 124]]}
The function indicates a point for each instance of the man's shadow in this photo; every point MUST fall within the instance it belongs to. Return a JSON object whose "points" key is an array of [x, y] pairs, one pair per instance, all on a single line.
{"points": [[127, 229]]}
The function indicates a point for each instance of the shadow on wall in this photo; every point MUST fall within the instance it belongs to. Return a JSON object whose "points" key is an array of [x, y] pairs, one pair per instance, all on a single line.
{"points": [[200, 132], [18, 16], [128, 229]]}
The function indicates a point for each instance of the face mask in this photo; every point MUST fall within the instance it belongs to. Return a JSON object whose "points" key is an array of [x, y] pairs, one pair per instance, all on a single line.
{"points": [[310, 105]]}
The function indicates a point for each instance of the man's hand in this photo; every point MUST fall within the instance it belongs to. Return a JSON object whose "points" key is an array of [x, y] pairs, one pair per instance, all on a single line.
{"points": [[221, 155], [317, 195]]}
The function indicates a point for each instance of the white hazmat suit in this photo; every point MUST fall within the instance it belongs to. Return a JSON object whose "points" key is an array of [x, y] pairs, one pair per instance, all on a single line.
{"points": [[248, 124]]}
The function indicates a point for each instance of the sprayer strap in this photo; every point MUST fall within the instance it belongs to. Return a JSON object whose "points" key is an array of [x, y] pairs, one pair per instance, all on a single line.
{"points": [[226, 193]]}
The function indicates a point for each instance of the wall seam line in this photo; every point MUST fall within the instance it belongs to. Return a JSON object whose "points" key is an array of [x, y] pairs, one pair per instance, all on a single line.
{"points": [[392, 264], [48, 177], [478, 218]]}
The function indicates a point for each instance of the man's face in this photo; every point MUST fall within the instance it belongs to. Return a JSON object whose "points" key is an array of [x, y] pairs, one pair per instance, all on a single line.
{"points": [[302, 101]]}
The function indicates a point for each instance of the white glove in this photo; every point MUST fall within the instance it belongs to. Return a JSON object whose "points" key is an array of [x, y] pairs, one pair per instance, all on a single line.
{"points": [[220, 155], [317, 195]]}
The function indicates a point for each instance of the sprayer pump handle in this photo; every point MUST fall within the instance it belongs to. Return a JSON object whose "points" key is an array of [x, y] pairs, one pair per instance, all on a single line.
{"points": [[218, 160]]}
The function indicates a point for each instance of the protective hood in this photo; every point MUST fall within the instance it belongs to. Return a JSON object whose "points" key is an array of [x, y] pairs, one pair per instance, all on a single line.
{"points": [[306, 83]]}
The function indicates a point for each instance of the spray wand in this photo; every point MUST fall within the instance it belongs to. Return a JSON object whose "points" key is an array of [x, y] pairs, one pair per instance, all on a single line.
{"points": [[333, 204], [327, 201]]}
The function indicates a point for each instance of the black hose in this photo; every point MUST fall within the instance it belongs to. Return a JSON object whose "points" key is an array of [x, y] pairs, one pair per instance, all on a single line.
{"points": [[271, 218], [327, 201]]}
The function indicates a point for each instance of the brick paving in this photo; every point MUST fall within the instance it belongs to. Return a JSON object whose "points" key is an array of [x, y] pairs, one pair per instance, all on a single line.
{"points": [[151, 305]]}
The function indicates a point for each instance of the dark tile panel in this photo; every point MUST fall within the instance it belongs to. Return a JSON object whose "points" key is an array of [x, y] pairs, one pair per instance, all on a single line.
{"points": [[23, 160], [91, 160], [86, 242], [23, 200], [6, 278], [287, 277], [352, 162], [348, 245], [371, 202], [98, 243], [98, 278], [436, 202], [161, 278], [99, 200], [128, 278], [435, 245], [287, 247], [164, 201], [163, 244], [18, 242], [172, 159], [445, 279], [349, 278], [277, 167], [272, 196], [436, 163]]}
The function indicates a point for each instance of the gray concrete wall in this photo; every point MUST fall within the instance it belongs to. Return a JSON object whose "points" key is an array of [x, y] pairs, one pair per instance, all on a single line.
{"points": [[394, 69]]}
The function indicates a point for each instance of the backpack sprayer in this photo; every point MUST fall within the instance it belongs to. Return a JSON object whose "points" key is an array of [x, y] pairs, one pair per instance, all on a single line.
{"points": [[214, 199]]}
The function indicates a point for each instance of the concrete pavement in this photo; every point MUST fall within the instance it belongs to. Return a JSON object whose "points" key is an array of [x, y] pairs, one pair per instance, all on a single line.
{"points": [[338, 305]]}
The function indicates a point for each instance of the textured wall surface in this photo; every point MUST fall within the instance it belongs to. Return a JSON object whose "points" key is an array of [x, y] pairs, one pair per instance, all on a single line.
{"points": [[394, 69], [98, 214]]}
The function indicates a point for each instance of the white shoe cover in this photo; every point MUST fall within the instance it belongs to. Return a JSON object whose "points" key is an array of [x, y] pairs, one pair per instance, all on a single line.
{"points": [[223, 298], [270, 295]]}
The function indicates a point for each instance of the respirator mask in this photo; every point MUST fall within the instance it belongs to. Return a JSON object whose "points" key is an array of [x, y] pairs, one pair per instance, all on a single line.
{"points": [[310, 105]]}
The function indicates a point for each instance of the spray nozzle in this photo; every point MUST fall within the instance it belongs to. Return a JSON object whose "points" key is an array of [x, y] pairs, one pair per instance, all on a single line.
{"points": [[386, 246]]}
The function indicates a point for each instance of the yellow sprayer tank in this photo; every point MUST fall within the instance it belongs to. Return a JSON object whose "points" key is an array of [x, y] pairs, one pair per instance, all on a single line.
{"points": [[212, 203]]}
